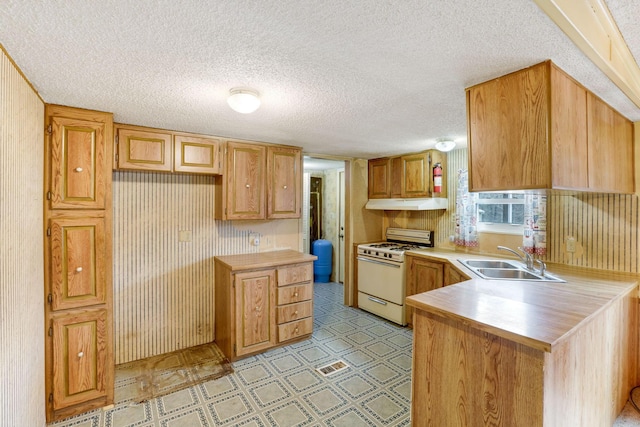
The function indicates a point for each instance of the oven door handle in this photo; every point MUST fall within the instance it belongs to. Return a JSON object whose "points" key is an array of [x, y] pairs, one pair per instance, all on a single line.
{"points": [[379, 301], [378, 262]]}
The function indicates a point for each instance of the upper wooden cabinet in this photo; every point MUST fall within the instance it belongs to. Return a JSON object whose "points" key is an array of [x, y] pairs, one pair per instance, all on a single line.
{"points": [[538, 128], [610, 148], [379, 178], [147, 149], [244, 192], [283, 188], [407, 176], [79, 155], [140, 149], [197, 155]]}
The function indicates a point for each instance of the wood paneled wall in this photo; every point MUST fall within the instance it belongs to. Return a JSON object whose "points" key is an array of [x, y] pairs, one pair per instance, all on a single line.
{"points": [[22, 395], [163, 288], [605, 226]]}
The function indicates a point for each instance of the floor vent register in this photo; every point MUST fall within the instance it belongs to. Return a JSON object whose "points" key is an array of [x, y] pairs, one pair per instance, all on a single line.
{"points": [[332, 368]]}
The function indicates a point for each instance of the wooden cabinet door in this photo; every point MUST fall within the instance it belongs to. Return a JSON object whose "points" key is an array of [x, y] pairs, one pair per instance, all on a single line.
{"points": [[77, 257], [197, 155], [78, 164], [507, 125], [421, 276], [144, 150], [568, 132], [453, 276], [245, 177], [379, 178], [415, 181], [396, 172], [284, 182], [81, 368], [610, 148], [255, 311]]}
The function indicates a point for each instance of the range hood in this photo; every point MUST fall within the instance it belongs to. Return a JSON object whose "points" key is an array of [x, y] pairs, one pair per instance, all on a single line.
{"points": [[431, 203]]}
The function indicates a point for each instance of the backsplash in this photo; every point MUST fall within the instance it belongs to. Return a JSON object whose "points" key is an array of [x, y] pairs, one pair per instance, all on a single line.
{"points": [[163, 288], [605, 226]]}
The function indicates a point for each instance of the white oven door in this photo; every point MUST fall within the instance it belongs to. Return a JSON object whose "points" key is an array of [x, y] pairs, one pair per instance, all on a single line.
{"points": [[381, 279]]}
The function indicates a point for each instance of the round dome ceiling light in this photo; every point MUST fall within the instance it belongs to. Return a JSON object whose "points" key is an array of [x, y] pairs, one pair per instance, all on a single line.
{"points": [[243, 100], [445, 145]]}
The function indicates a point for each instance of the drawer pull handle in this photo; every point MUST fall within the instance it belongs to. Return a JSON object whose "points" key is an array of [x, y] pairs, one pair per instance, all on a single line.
{"points": [[78, 169], [78, 270], [80, 354], [379, 301]]}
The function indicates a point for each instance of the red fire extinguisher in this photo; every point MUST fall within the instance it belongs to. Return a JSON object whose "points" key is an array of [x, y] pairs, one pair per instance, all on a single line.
{"points": [[437, 178]]}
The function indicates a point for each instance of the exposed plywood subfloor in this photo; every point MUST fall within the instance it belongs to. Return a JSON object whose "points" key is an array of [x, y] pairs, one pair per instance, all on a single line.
{"points": [[146, 379]]}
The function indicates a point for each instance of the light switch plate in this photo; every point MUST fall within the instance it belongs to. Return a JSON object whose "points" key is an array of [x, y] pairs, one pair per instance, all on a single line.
{"points": [[184, 235]]}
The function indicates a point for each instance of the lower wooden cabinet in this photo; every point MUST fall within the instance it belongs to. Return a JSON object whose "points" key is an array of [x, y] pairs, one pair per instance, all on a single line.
{"points": [[255, 311], [262, 301], [422, 275], [82, 370]]}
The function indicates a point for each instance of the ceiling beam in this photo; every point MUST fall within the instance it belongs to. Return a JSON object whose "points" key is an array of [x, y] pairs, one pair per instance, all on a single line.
{"points": [[589, 24]]}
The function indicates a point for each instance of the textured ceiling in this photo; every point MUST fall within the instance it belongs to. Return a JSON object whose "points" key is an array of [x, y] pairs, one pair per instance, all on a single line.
{"points": [[343, 78]]}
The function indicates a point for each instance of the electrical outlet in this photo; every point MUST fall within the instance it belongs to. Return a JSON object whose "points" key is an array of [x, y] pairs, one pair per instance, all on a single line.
{"points": [[571, 244], [254, 239]]}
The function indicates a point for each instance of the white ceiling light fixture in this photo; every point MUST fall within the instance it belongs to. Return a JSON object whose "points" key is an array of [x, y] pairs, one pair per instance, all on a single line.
{"points": [[244, 100], [445, 145]]}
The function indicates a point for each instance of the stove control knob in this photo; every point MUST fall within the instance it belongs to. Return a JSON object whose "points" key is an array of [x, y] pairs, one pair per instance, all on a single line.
{"points": [[377, 253]]}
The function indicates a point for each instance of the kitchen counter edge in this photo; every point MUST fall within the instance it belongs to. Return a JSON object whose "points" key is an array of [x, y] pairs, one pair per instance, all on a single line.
{"points": [[517, 305]]}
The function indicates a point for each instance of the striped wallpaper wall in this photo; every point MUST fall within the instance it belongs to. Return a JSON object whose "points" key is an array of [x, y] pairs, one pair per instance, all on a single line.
{"points": [[22, 394], [605, 226], [163, 287]]}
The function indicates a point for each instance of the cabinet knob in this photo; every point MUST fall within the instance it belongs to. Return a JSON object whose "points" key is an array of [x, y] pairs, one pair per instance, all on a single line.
{"points": [[80, 354], [257, 308], [247, 185], [295, 294], [78, 169], [79, 269], [295, 312], [296, 331], [284, 186]]}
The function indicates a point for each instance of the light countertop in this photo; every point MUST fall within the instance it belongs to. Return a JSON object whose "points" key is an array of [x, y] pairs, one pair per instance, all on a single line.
{"points": [[537, 314]]}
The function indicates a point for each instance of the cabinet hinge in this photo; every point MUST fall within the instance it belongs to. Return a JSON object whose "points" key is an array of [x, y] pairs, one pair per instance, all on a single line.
{"points": [[49, 298], [49, 195], [116, 139], [51, 331], [49, 130], [48, 231], [235, 350], [50, 397], [117, 157]]}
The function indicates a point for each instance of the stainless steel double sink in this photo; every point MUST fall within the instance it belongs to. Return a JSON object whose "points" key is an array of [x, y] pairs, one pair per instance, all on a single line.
{"points": [[506, 270]]}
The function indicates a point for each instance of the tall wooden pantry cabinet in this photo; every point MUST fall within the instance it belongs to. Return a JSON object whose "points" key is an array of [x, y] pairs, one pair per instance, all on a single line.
{"points": [[79, 367]]}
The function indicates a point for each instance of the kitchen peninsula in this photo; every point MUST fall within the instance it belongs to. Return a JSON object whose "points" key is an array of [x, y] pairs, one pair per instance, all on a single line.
{"points": [[522, 353]]}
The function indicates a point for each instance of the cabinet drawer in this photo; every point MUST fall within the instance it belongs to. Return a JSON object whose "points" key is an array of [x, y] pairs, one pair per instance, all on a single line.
{"points": [[386, 309], [295, 329], [291, 312], [294, 293], [295, 274]]}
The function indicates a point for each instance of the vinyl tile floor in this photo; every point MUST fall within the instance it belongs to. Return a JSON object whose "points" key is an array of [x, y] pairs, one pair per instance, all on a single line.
{"points": [[282, 387]]}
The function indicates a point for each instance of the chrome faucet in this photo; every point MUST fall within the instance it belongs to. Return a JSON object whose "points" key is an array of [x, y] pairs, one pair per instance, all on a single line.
{"points": [[527, 259]]}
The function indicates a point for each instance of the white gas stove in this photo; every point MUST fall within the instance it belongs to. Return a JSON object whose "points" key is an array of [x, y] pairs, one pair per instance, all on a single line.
{"points": [[381, 272], [398, 241]]}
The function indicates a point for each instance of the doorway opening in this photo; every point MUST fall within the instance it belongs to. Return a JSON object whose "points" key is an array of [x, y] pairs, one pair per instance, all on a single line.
{"points": [[323, 209]]}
